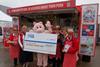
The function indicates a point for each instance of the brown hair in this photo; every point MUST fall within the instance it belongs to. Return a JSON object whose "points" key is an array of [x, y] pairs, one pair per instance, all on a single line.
{"points": [[64, 28]]}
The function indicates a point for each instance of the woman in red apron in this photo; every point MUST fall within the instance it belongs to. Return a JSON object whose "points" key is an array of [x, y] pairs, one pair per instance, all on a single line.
{"points": [[71, 47], [14, 47], [25, 56]]}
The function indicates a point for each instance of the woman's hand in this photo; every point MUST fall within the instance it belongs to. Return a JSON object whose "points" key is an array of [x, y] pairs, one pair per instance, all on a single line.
{"points": [[10, 42]]}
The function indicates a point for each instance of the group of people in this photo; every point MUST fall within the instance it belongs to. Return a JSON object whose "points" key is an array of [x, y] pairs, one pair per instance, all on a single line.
{"points": [[67, 48], [66, 52]]}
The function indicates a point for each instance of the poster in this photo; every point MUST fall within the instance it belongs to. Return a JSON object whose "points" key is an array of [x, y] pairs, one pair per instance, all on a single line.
{"points": [[89, 13], [40, 43], [88, 29], [86, 45]]}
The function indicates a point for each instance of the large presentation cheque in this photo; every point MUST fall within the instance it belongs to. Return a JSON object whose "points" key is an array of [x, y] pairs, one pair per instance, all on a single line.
{"points": [[40, 42]]}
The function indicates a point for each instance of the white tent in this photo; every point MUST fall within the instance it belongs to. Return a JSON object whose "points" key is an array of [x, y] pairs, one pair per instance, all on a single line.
{"points": [[5, 17], [5, 21]]}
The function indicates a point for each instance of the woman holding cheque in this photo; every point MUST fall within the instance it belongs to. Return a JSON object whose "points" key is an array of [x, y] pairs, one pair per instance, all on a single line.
{"points": [[25, 57], [70, 49]]}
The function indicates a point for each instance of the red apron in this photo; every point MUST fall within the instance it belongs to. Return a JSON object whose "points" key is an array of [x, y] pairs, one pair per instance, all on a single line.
{"points": [[70, 58], [14, 49]]}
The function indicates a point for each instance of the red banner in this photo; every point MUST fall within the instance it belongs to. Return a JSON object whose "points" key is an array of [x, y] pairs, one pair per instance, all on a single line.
{"points": [[42, 7]]}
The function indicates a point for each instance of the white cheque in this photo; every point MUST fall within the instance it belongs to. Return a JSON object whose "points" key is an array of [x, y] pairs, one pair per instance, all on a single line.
{"points": [[40, 42]]}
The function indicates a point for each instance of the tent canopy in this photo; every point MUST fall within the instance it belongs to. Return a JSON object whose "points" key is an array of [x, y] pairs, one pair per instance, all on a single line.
{"points": [[5, 17]]}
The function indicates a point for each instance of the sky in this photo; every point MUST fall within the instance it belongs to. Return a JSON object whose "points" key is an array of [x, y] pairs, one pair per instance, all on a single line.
{"points": [[20, 3]]}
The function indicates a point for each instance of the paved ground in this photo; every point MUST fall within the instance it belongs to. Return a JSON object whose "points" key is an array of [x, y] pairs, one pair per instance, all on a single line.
{"points": [[95, 62], [5, 61]]}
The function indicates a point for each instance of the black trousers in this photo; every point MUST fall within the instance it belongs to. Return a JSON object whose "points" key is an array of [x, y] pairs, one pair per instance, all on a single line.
{"points": [[55, 62], [15, 61], [86, 58]]}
